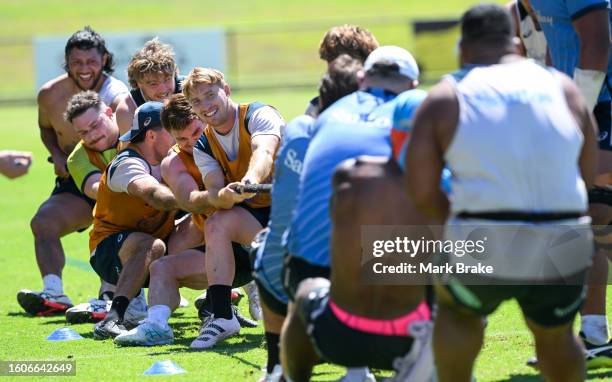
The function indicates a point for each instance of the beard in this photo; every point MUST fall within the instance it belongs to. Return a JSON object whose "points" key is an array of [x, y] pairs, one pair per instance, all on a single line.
{"points": [[95, 82]]}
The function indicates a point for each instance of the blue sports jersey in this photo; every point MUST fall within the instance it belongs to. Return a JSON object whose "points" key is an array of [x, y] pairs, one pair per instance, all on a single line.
{"points": [[358, 124], [556, 17], [287, 169]]}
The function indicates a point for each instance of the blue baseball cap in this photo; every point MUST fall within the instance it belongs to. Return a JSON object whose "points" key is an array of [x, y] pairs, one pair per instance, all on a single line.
{"points": [[147, 116]]}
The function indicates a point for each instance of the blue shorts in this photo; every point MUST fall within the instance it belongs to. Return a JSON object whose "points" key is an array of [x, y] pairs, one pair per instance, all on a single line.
{"points": [[267, 272]]}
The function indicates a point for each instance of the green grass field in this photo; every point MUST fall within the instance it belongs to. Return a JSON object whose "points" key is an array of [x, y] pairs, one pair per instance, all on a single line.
{"points": [[507, 344]]}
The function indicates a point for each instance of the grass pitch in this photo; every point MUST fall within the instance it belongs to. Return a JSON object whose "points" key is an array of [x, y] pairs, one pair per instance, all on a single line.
{"points": [[507, 343]]}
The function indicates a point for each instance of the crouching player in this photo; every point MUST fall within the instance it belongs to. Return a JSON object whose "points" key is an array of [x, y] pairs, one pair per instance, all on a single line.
{"points": [[267, 250], [133, 216], [343, 314], [188, 268]]}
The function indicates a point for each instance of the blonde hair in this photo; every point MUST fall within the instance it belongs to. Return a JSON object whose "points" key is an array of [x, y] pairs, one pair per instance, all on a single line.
{"points": [[200, 75], [153, 57]]}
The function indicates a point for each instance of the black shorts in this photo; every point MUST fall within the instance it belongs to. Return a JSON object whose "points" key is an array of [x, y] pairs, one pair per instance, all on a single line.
{"points": [[67, 185], [275, 305], [546, 305], [337, 343], [295, 270], [603, 115], [262, 214], [243, 273], [105, 258], [600, 195]]}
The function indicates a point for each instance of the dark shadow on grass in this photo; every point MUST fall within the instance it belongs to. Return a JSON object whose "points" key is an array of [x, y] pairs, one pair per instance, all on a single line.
{"points": [[56, 321], [247, 342], [89, 335], [599, 374], [523, 378], [19, 314]]}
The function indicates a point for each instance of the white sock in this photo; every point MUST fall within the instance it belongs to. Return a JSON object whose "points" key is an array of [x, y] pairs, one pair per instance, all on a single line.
{"points": [[53, 284], [595, 328], [159, 314]]}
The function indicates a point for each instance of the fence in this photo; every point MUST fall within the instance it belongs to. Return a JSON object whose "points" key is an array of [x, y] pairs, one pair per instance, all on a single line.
{"points": [[270, 58]]}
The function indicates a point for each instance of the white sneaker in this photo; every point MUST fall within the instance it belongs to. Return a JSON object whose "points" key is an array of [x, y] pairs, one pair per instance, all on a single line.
{"points": [[43, 303], [93, 311], [147, 333], [215, 330], [254, 305], [275, 376], [136, 311]]}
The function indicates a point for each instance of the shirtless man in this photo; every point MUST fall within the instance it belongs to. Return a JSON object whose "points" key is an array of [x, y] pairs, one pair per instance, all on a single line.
{"points": [[88, 66], [335, 311]]}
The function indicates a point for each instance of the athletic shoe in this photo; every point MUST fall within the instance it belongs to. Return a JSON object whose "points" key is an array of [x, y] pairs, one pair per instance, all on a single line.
{"points": [[244, 322], [93, 311], [43, 303], [275, 376], [214, 330], [135, 312], [596, 356], [147, 333], [201, 299], [254, 305], [110, 327]]}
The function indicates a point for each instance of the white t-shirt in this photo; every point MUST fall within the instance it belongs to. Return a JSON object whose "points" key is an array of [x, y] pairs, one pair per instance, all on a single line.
{"points": [[111, 88], [264, 121], [130, 170]]}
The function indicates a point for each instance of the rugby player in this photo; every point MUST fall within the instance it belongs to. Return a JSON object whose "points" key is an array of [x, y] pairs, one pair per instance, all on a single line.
{"points": [[344, 314], [153, 76], [500, 97], [237, 148], [267, 250], [134, 215], [353, 40], [186, 269], [88, 66], [94, 123], [367, 115], [578, 35], [362, 121]]}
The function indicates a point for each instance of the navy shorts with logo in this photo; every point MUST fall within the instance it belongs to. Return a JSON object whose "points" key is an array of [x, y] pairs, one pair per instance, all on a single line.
{"points": [[105, 258], [603, 115]]}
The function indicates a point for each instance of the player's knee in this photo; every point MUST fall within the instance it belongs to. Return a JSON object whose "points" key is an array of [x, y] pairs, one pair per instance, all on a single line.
{"points": [[216, 225], [159, 267], [42, 225]]}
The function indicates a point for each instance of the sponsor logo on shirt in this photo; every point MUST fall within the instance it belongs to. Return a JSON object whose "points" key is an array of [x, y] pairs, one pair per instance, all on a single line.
{"points": [[292, 162]]}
